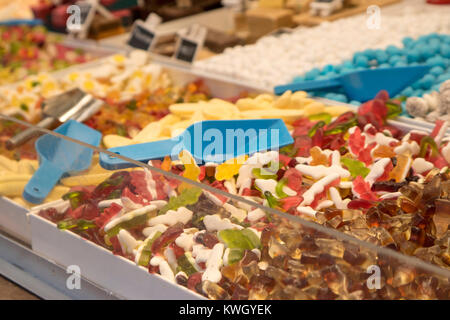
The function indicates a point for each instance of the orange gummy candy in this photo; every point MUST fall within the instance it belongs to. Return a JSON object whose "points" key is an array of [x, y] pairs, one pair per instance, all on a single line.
{"points": [[166, 165], [383, 152], [402, 167], [191, 170], [318, 157]]}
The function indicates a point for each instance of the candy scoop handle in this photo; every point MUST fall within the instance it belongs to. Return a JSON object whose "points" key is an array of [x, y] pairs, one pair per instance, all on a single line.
{"points": [[307, 86]]}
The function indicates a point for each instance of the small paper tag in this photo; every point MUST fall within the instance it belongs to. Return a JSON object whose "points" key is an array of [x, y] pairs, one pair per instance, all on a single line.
{"points": [[142, 36], [190, 41]]}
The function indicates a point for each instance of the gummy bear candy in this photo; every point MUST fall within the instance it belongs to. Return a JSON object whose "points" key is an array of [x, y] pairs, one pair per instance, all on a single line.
{"points": [[383, 151], [402, 167], [356, 167], [318, 157], [229, 168]]}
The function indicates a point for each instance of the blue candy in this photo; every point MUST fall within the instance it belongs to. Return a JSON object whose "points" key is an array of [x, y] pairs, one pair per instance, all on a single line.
{"points": [[435, 87], [361, 61], [407, 41], [445, 50], [312, 74], [413, 56], [436, 71], [443, 77], [425, 52], [382, 57], [331, 74], [408, 91], [355, 103], [417, 93], [330, 95], [394, 59], [347, 64], [400, 64], [340, 97], [327, 69], [393, 50], [437, 61], [370, 53], [427, 81], [416, 85]]}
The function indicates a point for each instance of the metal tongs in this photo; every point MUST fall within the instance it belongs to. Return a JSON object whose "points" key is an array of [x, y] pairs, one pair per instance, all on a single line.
{"points": [[74, 104]]}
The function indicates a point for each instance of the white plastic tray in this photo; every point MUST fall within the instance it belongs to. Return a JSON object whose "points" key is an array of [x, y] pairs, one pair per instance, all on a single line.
{"points": [[114, 273]]}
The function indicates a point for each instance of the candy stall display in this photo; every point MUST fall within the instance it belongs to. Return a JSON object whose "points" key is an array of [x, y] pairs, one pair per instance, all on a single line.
{"points": [[26, 50], [276, 60], [265, 226]]}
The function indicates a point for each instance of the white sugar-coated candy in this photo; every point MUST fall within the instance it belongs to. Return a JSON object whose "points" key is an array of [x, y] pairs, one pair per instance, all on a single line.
{"points": [[273, 60]]}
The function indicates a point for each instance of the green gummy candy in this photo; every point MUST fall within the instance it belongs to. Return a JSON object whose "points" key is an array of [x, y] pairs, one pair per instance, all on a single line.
{"points": [[146, 252], [187, 197], [241, 239], [356, 167]]}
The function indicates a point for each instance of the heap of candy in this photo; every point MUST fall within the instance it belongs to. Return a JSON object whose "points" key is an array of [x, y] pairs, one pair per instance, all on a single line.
{"points": [[28, 50], [354, 173], [433, 106], [432, 49], [277, 60], [135, 92], [117, 79], [289, 107]]}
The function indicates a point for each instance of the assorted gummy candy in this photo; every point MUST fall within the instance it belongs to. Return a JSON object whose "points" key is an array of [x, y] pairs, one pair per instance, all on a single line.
{"points": [[354, 173], [26, 50]]}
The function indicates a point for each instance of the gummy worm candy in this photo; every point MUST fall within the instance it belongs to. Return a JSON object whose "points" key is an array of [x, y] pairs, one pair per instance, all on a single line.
{"points": [[325, 117], [313, 130], [279, 188], [425, 143]]}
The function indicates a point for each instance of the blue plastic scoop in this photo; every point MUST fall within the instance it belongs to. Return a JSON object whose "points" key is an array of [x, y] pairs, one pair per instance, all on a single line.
{"points": [[58, 157], [208, 141], [364, 85]]}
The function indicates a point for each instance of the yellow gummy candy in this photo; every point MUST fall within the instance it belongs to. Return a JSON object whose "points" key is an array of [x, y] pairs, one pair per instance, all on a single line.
{"points": [[229, 168], [191, 169]]}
